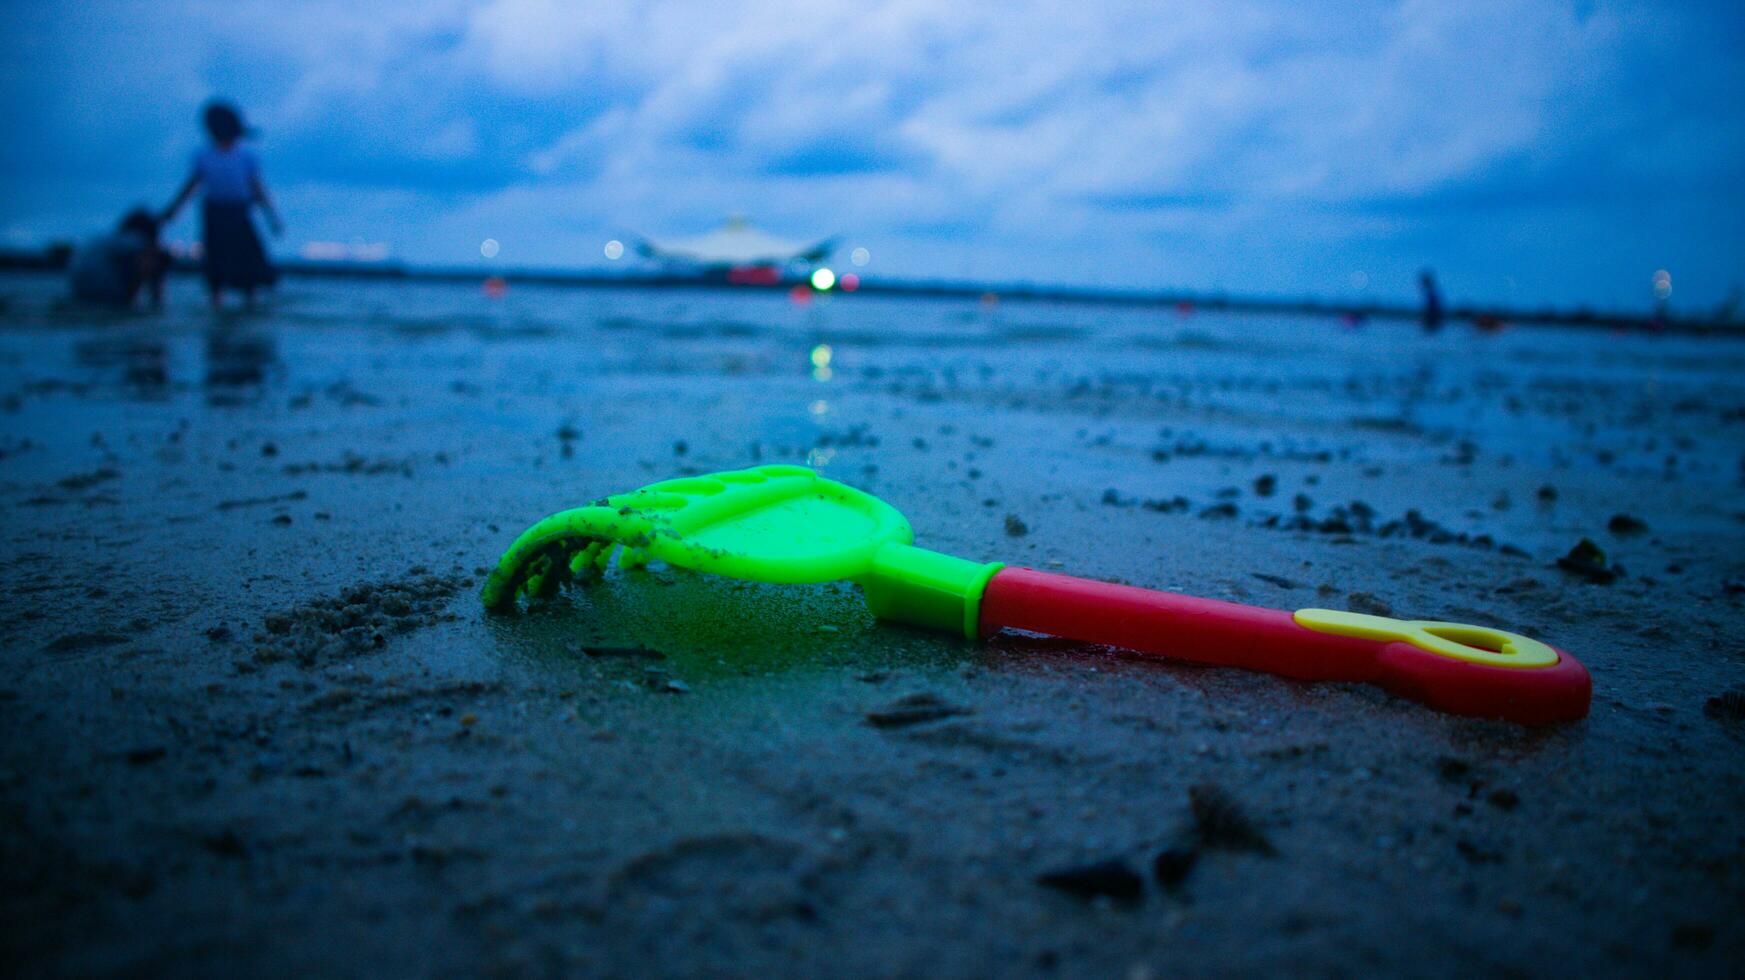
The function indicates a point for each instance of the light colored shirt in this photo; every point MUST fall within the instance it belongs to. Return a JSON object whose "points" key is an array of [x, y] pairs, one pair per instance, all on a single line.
{"points": [[227, 176]]}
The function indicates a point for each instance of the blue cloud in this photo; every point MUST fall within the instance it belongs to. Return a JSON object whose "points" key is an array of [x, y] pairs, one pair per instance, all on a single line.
{"points": [[1530, 149], [837, 157]]}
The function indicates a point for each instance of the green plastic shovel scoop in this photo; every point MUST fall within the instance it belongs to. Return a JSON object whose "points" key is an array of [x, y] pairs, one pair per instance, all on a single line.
{"points": [[781, 524], [787, 524]]}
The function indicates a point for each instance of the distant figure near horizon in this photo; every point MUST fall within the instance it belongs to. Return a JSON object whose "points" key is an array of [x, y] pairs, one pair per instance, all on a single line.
{"points": [[230, 176], [112, 270], [1432, 315]]}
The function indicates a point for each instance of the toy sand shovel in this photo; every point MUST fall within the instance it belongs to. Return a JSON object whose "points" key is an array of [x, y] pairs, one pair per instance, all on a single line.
{"points": [[788, 524]]}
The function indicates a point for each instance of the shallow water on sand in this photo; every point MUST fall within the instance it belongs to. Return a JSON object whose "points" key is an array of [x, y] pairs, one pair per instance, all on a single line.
{"points": [[1139, 401], [199, 767]]}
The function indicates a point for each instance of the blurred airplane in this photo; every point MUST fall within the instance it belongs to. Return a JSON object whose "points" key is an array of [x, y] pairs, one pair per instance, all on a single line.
{"points": [[737, 251]]}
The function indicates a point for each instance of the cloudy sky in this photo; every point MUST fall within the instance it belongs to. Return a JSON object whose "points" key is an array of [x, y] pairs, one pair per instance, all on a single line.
{"points": [[1532, 151]]}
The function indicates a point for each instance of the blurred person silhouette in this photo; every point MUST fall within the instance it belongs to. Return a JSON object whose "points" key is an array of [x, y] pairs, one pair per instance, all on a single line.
{"points": [[230, 176], [1432, 315], [114, 268]]}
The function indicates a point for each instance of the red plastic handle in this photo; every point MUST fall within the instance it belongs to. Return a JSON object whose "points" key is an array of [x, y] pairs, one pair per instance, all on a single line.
{"points": [[1214, 632]]}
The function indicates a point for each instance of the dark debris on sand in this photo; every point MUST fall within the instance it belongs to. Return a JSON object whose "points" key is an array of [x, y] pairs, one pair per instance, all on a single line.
{"points": [[358, 620], [85, 481], [1112, 878], [1728, 706], [1221, 823], [634, 653], [1359, 518], [1354, 518], [914, 709], [1624, 524], [1367, 604], [352, 464], [1171, 865], [1217, 822], [1588, 560], [79, 642]]}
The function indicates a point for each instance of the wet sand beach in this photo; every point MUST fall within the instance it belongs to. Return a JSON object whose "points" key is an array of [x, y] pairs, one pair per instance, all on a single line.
{"points": [[255, 720]]}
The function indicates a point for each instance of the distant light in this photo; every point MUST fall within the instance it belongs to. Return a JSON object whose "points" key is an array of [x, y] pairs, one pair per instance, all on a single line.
{"points": [[800, 295], [823, 279], [344, 251], [614, 249], [1662, 284], [495, 287], [860, 256], [489, 248], [849, 282], [1360, 280], [821, 356], [819, 407]]}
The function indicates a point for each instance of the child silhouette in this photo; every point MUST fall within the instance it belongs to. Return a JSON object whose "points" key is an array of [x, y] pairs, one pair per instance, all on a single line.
{"points": [[230, 176]]}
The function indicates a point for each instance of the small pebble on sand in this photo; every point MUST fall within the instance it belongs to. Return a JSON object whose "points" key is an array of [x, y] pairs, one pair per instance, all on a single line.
{"points": [[1367, 604], [1626, 524], [1112, 878], [913, 709], [1588, 560]]}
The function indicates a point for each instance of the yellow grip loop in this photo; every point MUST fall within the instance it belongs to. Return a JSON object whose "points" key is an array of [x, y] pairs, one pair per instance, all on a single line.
{"points": [[1473, 644]]}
